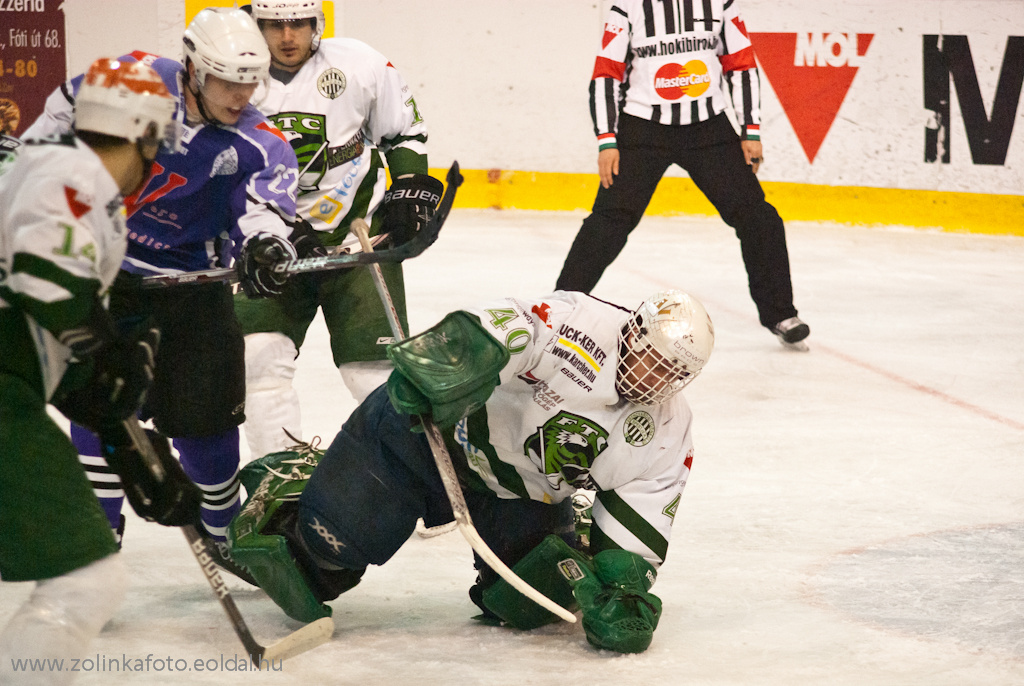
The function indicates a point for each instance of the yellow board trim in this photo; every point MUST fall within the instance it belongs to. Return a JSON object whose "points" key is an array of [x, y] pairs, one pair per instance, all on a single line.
{"points": [[961, 212]]}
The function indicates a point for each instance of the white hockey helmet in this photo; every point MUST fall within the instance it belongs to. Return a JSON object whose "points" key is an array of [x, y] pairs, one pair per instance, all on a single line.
{"points": [[122, 99], [227, 44], [288, 10], [663, 346]]}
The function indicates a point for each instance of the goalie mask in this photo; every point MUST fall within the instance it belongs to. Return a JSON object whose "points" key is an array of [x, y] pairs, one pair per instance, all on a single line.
{"points": [[663, 346], [127, 100], [228, 45]]}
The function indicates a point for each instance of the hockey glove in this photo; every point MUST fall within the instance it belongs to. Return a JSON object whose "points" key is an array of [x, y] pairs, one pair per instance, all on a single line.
{"points": [[109, 385], [618, 612], [158, 493], [256, 265], [409, 205], [306, 239], [450, 369]]}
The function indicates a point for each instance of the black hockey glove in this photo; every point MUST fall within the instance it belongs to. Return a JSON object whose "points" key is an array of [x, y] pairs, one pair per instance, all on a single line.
{"points": [[408, 205], [160, 493], [306, 239], [256, 263], [109, 384]]}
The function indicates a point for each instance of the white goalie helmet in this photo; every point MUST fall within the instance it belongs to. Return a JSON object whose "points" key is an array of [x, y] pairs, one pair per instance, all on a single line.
{"points": [[663, 346], [289, 10], [228, 44], [123, 99]]}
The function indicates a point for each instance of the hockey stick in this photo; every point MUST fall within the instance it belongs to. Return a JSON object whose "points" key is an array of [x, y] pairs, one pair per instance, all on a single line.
{"points": [[299, 641], [420, 242], [444, 461]]}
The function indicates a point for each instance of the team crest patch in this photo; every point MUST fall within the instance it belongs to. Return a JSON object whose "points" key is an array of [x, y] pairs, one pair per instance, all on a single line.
{"points": [[331, 83], [226, 163], [567, 445], [638, 429]]}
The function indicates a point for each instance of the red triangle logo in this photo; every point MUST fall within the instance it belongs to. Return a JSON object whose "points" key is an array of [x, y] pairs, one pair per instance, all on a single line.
{"points": [[78, 208], [811, 74]]}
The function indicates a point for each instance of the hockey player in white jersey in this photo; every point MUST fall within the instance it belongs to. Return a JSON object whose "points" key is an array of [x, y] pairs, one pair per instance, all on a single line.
{"points": [[229, 194], [536, 399], [62, 240], [345, 109]]}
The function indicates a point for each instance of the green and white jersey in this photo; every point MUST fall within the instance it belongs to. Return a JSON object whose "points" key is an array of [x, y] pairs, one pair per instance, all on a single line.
{"points": [[556, 423], [62, 239], [340, 111]]}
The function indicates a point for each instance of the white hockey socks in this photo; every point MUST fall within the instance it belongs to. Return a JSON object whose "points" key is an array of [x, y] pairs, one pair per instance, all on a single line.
{"points": [[59, 621], [362, 378], [271, 402]]}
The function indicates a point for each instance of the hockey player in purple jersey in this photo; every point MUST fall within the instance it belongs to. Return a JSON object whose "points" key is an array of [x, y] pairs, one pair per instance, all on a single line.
{"points": [[230, 193]]}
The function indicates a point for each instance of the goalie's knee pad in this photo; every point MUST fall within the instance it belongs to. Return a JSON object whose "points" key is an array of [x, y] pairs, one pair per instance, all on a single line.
{"points": [[361, 378], [64, 614], [545, 568]]}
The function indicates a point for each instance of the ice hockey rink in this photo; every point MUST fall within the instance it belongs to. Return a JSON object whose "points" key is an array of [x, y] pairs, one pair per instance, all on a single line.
{"points": [[855, 514]]}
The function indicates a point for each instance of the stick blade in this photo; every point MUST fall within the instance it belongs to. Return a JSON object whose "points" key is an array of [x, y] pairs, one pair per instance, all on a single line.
{"points": [[297, 642]]}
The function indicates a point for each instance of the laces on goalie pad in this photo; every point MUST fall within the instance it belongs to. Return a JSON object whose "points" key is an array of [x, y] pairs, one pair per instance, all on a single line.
{"points": [[256, 538]]}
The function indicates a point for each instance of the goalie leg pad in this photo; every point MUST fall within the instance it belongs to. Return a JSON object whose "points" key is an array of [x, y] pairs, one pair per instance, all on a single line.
{"points": [[545, 568], [273, 481], [454, 365]]}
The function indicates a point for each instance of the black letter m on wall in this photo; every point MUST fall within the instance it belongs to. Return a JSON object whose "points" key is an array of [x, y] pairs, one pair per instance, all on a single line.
{"points": [[989, 139]]}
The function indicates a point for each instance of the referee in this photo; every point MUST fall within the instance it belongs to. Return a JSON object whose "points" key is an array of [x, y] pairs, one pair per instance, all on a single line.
{"points": [[656, 98]]}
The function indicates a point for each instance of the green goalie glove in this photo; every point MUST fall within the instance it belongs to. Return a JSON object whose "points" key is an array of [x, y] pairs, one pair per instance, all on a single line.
{"points": [[618, 611], [611, 589], [448, 371]]}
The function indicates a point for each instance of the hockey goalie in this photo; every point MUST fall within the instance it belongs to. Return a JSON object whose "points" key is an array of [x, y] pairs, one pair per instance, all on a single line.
{"points": [[536, 399]]}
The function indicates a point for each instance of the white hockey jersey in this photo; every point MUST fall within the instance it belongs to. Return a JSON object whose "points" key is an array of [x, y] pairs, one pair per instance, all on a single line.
{"points": [[62, 239], [556, 423], [340, 111]]}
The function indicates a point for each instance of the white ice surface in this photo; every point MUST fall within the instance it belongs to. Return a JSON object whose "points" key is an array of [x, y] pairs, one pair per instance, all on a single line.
{"points": [[855, 514]]}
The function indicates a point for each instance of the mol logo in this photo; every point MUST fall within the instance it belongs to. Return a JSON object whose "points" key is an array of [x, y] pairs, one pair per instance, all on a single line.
{"points": [[610, 32], [811, 74], [673, 81]]}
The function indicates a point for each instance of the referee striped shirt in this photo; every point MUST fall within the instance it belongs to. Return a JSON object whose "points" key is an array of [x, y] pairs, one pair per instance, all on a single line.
{"points": [[666, 61]]}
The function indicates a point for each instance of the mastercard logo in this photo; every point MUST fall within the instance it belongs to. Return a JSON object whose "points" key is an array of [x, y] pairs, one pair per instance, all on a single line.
{"points": [[673, 81]]}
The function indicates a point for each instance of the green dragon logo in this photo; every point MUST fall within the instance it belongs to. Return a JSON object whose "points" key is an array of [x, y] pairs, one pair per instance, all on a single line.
{"points": [[307, 134], [567, 446]]}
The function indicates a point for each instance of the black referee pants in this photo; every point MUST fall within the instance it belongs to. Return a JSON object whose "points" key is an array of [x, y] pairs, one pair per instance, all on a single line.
{"points": [[710, 153]]}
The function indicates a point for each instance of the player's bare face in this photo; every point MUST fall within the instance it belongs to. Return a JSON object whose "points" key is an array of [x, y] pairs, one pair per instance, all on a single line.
{"points": [[290, 42], [225, 100]]}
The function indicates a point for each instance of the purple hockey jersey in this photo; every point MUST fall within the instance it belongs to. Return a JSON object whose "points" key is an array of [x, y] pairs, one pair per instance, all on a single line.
{"points": [[227, 183]]}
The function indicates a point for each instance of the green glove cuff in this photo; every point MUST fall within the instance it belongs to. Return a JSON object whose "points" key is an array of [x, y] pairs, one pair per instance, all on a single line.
{"points": [[454, 365], [270, 481], [625, 570]]}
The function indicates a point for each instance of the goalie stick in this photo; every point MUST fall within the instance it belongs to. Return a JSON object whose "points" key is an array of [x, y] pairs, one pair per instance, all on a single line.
{"points": [[299, 641], [346, 260], [444, 461]]}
